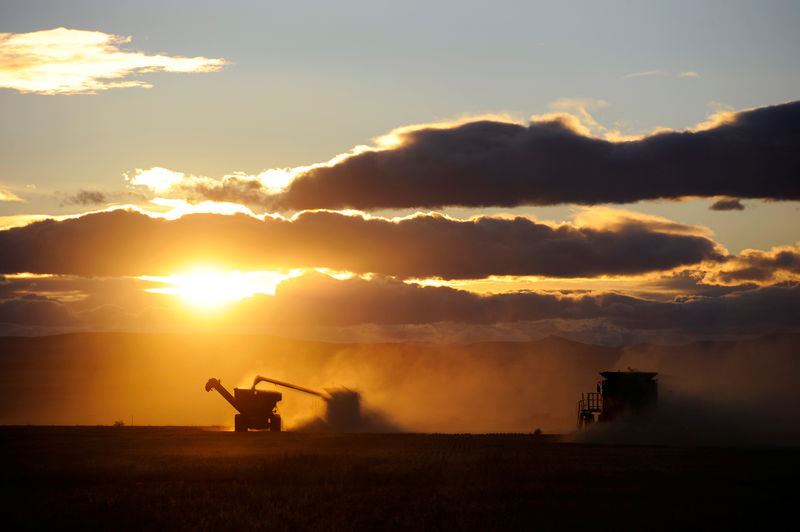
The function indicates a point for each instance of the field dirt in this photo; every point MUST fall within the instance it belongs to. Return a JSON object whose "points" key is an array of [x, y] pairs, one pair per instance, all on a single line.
{"points": [[194, 478]]}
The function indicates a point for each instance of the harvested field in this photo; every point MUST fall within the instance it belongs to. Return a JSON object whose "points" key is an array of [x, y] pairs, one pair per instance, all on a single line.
{"points": [[194, 478]]}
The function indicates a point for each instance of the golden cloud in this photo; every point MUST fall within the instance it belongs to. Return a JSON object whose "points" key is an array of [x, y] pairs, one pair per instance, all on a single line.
{"points": [[69, 61], [6, 195], [779, 265]]}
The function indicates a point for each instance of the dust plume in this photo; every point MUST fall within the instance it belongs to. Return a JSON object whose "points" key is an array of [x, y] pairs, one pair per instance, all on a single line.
{"points": [[744, 391], [344, 413], [683, 420], [714, 393]]}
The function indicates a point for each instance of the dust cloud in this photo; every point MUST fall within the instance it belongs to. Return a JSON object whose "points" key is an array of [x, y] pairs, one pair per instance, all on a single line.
{"points": [[345, 413], [720, 392], [714, 393], [696, 421]]}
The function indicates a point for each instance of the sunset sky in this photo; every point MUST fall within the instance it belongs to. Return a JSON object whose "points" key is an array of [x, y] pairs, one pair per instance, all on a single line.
{"points": [[613, 172]]}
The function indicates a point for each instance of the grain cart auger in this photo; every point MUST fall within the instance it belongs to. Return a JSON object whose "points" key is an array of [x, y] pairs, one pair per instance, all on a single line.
{"points": [[342, 406], [256, 407], [287, 385]]}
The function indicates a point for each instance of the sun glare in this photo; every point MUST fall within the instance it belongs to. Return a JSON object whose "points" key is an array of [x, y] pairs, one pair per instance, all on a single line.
{"points": [[209, 289]]}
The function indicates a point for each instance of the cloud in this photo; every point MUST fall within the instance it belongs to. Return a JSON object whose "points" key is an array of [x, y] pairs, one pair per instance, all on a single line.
{"points": [[96, 197], [780, 264], [580, 107], [157, 179], [122, 242], [86, 197], [689, 283], [747, 154], [79, 292], [6, 195], [660, 72], [33, 309], [614, 219], [727, 204], [380, 309], [326, 301], [69, 61], [552, 160], [645, 73]]}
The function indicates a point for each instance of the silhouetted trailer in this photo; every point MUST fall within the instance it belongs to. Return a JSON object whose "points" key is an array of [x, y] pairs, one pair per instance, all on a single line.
{"points": [[257, 408], [619, 392]]}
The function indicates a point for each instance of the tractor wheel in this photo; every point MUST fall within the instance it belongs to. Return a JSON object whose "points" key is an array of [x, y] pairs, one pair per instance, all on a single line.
{"points": [[275, 423], [239, 424]]}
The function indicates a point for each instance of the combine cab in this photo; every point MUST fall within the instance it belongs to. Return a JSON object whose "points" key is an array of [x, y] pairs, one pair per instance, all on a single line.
{"points": [[619, 392]]}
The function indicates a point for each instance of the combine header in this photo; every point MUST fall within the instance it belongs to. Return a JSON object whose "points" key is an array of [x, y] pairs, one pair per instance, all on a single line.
{"points": [[619, 392], [257, 408]]}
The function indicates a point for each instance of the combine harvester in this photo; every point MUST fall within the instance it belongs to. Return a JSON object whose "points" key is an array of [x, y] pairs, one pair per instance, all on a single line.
{"points": [[620, 392], [258, 408]]}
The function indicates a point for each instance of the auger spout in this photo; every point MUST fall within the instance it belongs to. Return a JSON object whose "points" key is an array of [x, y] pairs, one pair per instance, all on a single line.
{"points": [[215, 384], [287, 385]]}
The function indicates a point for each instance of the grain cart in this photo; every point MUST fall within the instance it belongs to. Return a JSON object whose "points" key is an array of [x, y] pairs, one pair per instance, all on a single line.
{"points": [[619, 392], [256, 407]]}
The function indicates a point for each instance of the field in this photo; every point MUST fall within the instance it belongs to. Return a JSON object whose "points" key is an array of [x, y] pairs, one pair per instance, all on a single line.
{"points": [[193, 478]]}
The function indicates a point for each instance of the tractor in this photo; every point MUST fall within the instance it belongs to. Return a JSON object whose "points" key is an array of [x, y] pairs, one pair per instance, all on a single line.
{"points": [[620, 392]]}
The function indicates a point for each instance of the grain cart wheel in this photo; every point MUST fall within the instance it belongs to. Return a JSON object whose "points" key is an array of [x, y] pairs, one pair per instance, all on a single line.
{"points": [[275, 423], [239, 424]]}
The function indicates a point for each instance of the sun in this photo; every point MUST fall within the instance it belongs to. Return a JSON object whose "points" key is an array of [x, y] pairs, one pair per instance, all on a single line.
{"points": [[211, 289]]}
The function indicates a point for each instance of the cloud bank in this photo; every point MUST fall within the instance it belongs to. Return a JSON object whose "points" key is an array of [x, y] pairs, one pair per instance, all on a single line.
{"points": [[123, 242], [331, 302], [381, 309], [750, 154], [552, 160], [69, 61]]}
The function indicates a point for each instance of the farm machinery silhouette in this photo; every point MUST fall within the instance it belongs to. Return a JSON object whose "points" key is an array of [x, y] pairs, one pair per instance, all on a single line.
{"points": [[619, 393], [258, 408]]}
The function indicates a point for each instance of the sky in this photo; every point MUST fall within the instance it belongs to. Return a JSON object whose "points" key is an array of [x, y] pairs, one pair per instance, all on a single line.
{"points": [[612, 172]]}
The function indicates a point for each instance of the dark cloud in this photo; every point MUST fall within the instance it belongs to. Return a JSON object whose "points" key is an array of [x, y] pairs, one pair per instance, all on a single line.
{"points": [[129, 243], [751, 154], [325, 301], [383, 309], [83, 293], [232, 189], [33, 309], [688, 282], [762, 267], [86, 197], [729, 204], [96, 197]]}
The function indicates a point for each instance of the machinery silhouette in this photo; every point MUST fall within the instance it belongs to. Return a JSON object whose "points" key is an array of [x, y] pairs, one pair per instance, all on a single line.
{"points": [[619, 392], [257, 408]]}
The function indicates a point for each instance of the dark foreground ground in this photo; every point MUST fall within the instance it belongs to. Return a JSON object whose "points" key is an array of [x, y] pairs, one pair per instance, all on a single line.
{"points": [[189, 478]]}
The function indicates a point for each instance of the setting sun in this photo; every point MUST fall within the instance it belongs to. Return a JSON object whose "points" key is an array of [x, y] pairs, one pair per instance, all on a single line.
{"points": [[209, 289]]}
